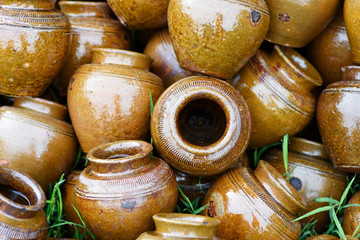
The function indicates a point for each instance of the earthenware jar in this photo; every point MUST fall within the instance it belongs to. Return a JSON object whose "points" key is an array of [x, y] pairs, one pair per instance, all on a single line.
{"points": [[35, 139], [278, 88], [264, 195], [141, 14], [34, 39], [312, 175], [123, 188], [109, 100], [92, 25], [330, 51], [296, 23], [351, 217], [217, 37], [165, 64], [200, 125], [21, 207], [182, 226], [338, 118], [322, 237], [351, 18]]}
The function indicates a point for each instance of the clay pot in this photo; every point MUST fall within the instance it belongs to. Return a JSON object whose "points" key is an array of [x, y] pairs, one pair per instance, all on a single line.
{"points": [[293, 28], [92, 25], [21, 207], [34, 40], [217, 37], [278, 88], [141, 14], [201, 126], [338, 119], [351, 217], [165, 64], [322, 237], [330, 51], [35, 139], [252, 205], [109, 100], [312, 175], [351, 18], [182, 226], [122, 189]]}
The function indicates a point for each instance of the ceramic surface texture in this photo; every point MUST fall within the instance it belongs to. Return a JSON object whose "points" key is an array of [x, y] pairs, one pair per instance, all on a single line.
{"points": [[352, 24], [351, 217], [322, 237]]}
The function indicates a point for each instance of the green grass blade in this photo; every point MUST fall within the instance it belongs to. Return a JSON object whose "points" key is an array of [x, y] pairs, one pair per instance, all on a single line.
{"points": [[337, 223], [356, 230], [186, 198], [151, 104], [197, 211], [83, 223], [195, 203], [285, 145], [320, 209], [350, 205], [345, 193], [325, 199]]}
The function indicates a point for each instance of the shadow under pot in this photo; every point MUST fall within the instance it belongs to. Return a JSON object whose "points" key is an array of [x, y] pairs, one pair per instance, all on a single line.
{"points": [[200, 126], [338, 117], [21, 207]]}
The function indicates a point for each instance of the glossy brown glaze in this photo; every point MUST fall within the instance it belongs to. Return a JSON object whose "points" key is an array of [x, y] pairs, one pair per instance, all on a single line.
{"points": [[217, 37], [322, 237], [25, 220], [259, 205], [92, 25], [200, 125], [352, 24], [278, 89], [182, 226], [34, 40], [34, 139], [296, 23], [109, 100], [312, 175], [119, 195], [351, 217], [338, 118]]}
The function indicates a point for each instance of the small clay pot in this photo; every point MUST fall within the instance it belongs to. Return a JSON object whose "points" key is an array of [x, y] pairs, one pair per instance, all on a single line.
{"points": [[141, 14], [292, 27], [322, 237], [36, 140], [34, 41], [201, 126], [312, 175], [182, 226], [92, 25], [217, 37], [109, 100], [352, 24], [338, 118], [122, 189], [252, 205], [21, 207], [278, 88]]}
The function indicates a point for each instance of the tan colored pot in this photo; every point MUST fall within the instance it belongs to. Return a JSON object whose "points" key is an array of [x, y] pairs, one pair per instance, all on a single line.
{"points": [[352, 19]]}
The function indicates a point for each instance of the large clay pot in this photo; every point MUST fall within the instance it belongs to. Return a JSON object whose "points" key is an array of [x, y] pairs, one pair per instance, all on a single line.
{"points": [[182, 226], [338, 117], [35, 139], [217, 37], [141, 14], [109, 100], [92, 25], [34, 40], [312, 175], [200, 125], [278, 89], [21, 207], [122, 189], [351, 217], [296, 23], [352, 24], [259, 205]]}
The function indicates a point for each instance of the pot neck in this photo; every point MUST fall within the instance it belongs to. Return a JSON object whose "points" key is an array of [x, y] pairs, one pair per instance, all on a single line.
{"points": [[350, 73], [86, 9], [309, 148], [28, 4]]}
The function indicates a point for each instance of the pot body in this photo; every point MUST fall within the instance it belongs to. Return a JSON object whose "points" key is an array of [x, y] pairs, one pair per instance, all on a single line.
{"points": [[351, 216], [217, 37], [351, 18], [278, 89], [322, 237]]}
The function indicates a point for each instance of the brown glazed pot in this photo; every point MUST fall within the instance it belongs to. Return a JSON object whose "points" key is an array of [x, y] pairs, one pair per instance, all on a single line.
{"points": [[296, 23], [338, 117], [92, 25], [34, 40], [351, 217], [278, 89], [182, 226], [109, 100], [217, 37], [259, 205], [330, 51], [165, 64], [352, 24], [201, 126], [141, 14], [322, 237], [312, 175], [35, 139], [21, 207], [122, 189]]}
